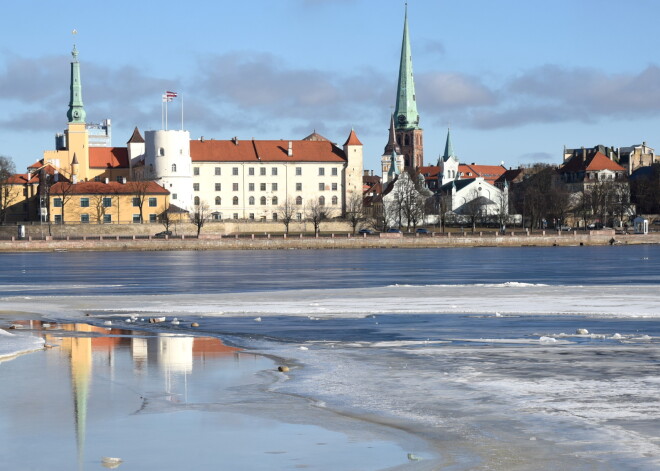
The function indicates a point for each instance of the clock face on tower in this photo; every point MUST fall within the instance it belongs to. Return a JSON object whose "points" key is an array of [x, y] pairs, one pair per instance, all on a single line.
{"points": [[402, 119], [76, 114]]}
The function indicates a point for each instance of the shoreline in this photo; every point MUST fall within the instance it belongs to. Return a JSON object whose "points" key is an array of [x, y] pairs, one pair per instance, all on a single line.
{"points": [[279, 242]]}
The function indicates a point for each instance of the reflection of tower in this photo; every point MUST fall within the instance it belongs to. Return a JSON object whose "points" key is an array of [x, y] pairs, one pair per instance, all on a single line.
{"points": [[80, 352]]}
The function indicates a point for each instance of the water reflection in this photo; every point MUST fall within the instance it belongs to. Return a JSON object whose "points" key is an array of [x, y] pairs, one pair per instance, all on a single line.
{"points": [[172, 356]]}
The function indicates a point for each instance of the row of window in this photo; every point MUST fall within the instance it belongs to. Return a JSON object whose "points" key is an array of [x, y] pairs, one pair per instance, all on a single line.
{"points": [[251, 216], [262, 171], [263, 201], [262, 187], [106, 202], [107, 218]]}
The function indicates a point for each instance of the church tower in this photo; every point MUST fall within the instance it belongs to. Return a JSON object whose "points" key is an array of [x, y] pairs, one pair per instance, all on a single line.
{"points": [[409, 135], [392, 159], [448, 163], [77, 136]]}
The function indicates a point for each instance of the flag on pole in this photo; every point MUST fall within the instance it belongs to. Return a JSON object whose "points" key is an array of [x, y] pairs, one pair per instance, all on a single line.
{"points": [[170, 95]]}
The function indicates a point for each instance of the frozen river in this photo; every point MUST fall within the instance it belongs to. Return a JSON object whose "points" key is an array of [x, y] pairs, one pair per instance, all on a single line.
{"points": [[474, 351]]}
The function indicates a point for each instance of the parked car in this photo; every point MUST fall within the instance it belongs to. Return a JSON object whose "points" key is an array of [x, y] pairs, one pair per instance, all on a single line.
{"points": [[565, 228], [422, 230], [162, 235], [595, 225], [394, 230], [366, 231]]}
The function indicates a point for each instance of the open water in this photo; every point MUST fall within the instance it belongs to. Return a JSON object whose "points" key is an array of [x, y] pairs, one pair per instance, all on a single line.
{"points": [[474, 350]]}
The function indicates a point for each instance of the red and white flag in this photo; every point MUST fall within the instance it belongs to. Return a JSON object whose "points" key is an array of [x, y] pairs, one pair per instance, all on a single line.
{"points": [[169, 96]]}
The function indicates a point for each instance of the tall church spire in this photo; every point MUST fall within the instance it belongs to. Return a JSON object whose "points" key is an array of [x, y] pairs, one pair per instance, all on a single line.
{"points": [[406, 107], [392, 145], [76, 113], [449, 148]]}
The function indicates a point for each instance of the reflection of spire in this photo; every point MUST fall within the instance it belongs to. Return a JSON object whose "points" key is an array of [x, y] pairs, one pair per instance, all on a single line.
{"points": [[80, 352]]}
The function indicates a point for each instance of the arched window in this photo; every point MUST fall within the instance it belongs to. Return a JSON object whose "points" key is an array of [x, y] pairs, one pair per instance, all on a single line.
{"points": [[196, 200], [299, 200], [173, 168], [407, 140], [218, 201], [161, 151], [274, 200], [263, 201], [251, 200], [235, 200], [334, 201], [322, 201]]}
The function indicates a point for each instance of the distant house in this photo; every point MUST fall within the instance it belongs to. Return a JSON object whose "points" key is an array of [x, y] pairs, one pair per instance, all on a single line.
{"points": [[586, 166]]}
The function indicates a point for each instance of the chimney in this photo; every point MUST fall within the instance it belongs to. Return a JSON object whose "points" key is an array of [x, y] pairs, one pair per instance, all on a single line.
{"points": [[123, 180], [290, 153], [56, 176], [107, 180], [201, 139], [234, 140]]}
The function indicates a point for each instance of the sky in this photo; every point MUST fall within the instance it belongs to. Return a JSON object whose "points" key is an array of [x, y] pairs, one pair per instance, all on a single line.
{"points": [[515, 80]]}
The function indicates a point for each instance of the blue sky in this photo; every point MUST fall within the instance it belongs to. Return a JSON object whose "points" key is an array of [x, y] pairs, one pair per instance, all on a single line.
{"points": [[516, 79]]}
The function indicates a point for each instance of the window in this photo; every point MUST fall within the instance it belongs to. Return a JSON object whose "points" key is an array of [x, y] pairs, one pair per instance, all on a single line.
{"points": [[234, 186], [196, 201], [107, 218], [298, 186], [152, 218], [218, 171], [299, 200], [334, 187], [251, 216], [84, 203], [234, 201], [321, 171], [298, 217], [196, 186], [195, 170], [322, 201], [235, 215], [57, 202], [334, 201], [84, 218], [217, 216], [174, 196], [218, 186], [173, 168], [107, 202], [58, 219], [273, 186], [136, 219], [251, 201], [262, 171], [161, 151], [274, 216], [263, 201], [234, 171], [218, 201], [153, 202], [120, 179], [274, 201], [334, 171], [262, 186], [136, 202], [298, 171], [321, 187], [273, 171], [250, 186], [251, 171]]}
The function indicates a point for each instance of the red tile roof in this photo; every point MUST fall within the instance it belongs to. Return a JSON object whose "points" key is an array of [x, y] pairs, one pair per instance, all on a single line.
{"points": [[601, 162], [265, 151], [490, 173], [22, 179], [108, 157], [352, 139], [100, 188]]}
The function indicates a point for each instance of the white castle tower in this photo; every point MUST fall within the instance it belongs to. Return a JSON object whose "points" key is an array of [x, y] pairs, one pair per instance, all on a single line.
{"points": [[167, 161]]}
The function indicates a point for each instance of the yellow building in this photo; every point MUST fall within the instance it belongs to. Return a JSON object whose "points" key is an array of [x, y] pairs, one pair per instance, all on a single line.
{"points": [[107, 203]]}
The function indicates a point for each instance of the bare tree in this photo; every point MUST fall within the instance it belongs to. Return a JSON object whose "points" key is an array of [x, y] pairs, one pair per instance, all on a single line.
{"points": [[287, 211], [8, 195], [316, 212], [165, 218], [199, 216], [355, 210], [140, 190], [101, 202], [62, 191], [473, 208]]}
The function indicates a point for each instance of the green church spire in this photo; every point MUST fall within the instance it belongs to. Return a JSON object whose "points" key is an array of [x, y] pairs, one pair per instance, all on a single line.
{"points": [[406, 107], [449, 148], [76, 113]]}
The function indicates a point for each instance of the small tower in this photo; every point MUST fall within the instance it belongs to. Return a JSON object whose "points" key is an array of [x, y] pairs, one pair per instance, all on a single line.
{"points": [[392, 157], [448, 163], [77, 136], [354, 168], [74, 169], [167, 161], [135, 147], [409, 135]]}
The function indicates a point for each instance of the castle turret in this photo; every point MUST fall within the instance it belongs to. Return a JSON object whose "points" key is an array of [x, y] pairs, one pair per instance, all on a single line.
{"points": [[354, 168], [167, 161]]}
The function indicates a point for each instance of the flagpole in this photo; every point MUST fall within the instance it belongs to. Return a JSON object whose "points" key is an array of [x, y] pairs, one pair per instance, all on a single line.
{"points": [[162, 112], [166, 101], [182, 112]]}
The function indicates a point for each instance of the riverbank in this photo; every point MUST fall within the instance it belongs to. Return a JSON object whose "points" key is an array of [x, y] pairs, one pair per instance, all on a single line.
{"points": [[328, 241]]}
